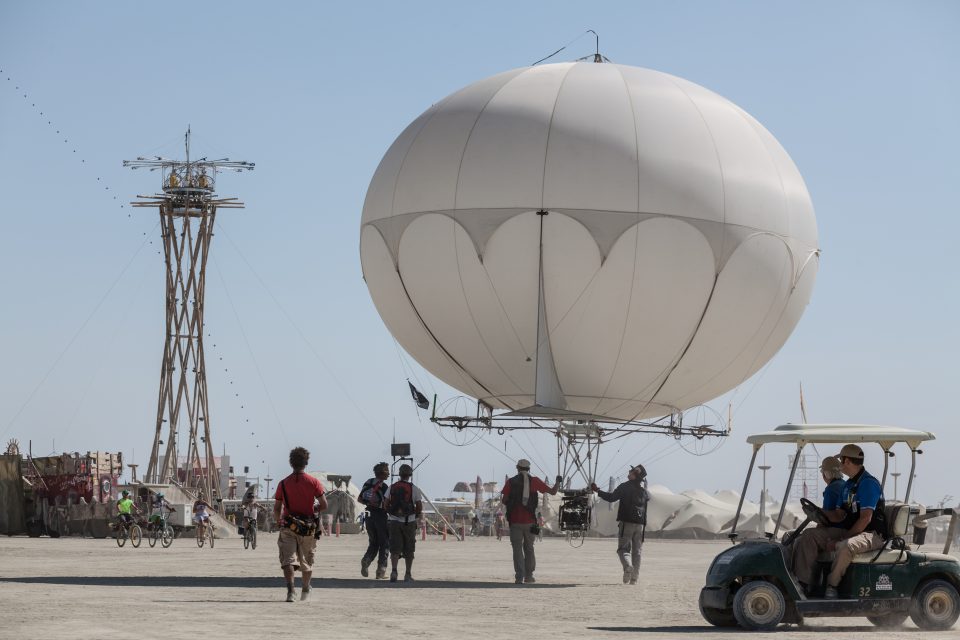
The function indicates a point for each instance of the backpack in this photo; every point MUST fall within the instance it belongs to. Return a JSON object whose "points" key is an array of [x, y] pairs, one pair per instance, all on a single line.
{"points": [[400, 503]]}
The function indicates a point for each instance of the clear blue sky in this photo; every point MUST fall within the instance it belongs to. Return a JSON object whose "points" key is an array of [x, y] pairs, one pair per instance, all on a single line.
{"points": [[863, 95]]}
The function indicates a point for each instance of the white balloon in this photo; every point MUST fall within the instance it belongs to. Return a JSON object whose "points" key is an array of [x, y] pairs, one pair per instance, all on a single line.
{"points": [[679, 244]]}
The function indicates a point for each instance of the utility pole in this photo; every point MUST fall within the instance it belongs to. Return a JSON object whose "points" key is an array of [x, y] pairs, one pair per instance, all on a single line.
{"points": [[763, 499], [188, 207]]}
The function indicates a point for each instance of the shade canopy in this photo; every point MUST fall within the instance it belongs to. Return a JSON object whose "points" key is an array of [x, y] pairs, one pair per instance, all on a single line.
{"points": [[592, 239], [840, 434]]}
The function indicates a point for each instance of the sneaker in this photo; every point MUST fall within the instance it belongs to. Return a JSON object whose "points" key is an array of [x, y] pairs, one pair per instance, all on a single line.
{"points": [[626, 575], [393, 576], [529, 579], [291, 596], [304, 595], [831, 593], [519, 580], [364, 567], [633, 581], [408, 578], [381, 573]]}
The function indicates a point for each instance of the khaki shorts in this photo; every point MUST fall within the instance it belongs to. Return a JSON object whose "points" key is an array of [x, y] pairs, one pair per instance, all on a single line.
{"points": [[403, 538], [296, 550]]}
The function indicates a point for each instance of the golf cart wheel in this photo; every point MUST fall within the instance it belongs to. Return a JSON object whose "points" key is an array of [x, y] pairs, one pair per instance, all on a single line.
{"points": [[888, 621], [935, 606], [759, 606], [717, 617]]}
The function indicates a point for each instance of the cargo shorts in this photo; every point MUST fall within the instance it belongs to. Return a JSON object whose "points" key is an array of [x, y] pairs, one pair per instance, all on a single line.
{"points": [[295, 550], [403, 538]]}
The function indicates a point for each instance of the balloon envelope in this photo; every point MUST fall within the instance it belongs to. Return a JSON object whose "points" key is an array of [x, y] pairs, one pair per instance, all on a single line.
{"points": [[589, 238]]}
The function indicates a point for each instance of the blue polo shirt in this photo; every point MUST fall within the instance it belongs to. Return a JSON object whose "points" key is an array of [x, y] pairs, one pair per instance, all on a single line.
{"points": [[832, 494], [866, 495]]}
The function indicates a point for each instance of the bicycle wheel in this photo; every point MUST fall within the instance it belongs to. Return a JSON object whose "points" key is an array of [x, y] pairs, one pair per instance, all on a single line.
{"points": [[121, 536], [246, 538], [253, 538], [152, 537], [166, 536], [200, 536], [136, 535], [210, 533]]}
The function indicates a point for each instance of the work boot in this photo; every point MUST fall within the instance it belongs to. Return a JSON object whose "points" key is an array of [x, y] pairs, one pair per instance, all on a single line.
{"points": [[381, 573], [393, 576], [831, 593], [304, 595], [364, 567], [291, 595], [627, 573]]}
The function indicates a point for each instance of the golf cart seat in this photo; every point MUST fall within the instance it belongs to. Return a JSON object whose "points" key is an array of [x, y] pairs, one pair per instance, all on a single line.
{"points": [[898, 517]]}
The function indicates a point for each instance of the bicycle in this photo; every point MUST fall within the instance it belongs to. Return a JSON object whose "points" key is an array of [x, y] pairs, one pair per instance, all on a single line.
{"points": [[205, 533], [129, 530], [249, 533], [160, 530]]}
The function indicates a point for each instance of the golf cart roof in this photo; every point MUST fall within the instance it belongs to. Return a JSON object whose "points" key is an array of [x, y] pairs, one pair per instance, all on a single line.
{"points": [[801, 434]]}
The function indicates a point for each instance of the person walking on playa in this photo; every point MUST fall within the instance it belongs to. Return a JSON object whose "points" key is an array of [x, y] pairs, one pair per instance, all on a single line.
{"points": [[404, 504], [632, 516], [373, 495], [293, 508], [520, 499]]}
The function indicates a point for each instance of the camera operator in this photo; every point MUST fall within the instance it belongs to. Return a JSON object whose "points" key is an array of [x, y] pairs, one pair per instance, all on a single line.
{"points": [[632, 516], [520, 499]]}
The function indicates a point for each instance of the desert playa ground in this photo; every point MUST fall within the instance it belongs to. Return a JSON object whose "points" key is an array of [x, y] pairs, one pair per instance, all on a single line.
{"points": [[84, 588]]}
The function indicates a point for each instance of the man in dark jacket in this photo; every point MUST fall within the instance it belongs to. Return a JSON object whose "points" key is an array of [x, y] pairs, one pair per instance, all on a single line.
{"points": [[632, 515], [373, 496]]}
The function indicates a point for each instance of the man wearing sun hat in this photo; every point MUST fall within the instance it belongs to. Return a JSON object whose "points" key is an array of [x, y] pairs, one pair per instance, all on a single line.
{"points": [[632, 516], [860, 519], [520, 497]]}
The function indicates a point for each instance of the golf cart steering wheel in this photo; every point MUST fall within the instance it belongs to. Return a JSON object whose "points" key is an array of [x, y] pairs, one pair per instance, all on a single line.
{"points": [[814, 513]]}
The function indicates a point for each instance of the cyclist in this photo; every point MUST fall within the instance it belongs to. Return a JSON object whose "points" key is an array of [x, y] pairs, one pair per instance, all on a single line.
{"points": [[201, 513], [251, 509], [156, 509], [125, 509]]}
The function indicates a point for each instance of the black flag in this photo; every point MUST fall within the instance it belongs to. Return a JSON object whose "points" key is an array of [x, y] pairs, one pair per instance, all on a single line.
{"points": [[418, 397]]}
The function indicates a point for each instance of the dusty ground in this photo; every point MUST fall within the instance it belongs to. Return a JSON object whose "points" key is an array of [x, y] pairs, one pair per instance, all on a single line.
{"points": [[80, 588]]}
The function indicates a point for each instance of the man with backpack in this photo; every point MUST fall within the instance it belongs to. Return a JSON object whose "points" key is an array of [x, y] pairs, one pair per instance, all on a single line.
{"points": [[404, 510], [520, 500], [294, 499], [373, 495], [632, 516]]}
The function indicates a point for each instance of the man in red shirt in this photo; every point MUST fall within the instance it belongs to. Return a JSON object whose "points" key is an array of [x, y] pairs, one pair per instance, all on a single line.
{"points": [[520, 499], [295, 498]]}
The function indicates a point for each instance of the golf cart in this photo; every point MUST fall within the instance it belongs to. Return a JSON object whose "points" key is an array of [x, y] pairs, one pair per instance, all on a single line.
{"points": [[750, 584]]}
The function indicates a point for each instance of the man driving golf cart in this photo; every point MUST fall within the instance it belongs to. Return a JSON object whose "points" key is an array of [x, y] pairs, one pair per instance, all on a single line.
{"points": [[750, 584]]}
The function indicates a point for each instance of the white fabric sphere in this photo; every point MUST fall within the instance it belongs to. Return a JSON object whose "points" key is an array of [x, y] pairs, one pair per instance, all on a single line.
{"points": [[679, 248]]}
